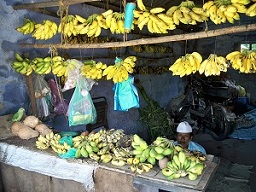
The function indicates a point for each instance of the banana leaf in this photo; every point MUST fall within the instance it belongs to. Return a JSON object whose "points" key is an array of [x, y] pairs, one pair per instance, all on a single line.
{"points": [[154, 117]]}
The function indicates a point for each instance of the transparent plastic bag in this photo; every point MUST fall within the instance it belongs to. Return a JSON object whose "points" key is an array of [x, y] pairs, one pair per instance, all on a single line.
{"points": [[42, 95], [60, 105], [81, 109]]}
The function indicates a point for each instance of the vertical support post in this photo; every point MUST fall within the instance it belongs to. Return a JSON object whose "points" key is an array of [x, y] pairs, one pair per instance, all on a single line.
{"points": [[31, 90]]}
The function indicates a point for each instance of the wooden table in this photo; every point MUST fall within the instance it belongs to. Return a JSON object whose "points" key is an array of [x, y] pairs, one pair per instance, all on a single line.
{"points": [[127, 180]]}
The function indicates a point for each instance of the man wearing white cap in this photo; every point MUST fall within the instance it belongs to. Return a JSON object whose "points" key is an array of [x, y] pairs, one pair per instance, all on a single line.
{"points": [[184, 138]]}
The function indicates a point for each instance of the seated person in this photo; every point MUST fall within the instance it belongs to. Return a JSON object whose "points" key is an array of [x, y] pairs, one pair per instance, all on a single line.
{"points": [[184, 137]]}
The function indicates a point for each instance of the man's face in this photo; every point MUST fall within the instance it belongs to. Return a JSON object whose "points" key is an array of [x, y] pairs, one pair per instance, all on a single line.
{"points": [[183, 139]]}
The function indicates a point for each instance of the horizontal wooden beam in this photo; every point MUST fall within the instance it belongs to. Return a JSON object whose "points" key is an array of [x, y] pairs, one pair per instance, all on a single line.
{"points": [[50, 4], [155, 40]]}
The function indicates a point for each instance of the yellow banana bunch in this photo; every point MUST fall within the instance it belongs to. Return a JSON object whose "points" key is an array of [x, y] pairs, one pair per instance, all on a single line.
{"points": [[27, 27], [45, 142], [141, 5], [186, 65], [220, 11], [251, 11], [186, 13], [22, 66], [213, 65], [93, 70], [114, 21], [93, 27], [244, 61], [60, 67], [154, 19], [120, 71], [141, 167], [45, 30], [70, 25]]}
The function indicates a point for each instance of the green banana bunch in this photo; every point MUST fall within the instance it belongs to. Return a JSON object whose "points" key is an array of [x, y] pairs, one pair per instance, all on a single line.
{"points": [[42, 65], [93, 70], [45, 30], [186, 65], [180, 166], [22, 65], [27, 27], [213, 65]]}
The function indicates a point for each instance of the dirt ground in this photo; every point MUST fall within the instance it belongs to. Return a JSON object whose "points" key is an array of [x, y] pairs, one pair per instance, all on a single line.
{"points": [[233, 153]]}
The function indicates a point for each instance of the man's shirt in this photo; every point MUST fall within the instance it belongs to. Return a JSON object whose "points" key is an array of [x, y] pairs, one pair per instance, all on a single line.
{"points": [[193, 146]]}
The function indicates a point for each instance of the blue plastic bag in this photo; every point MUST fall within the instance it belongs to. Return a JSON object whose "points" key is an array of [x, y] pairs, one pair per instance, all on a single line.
{"points": [[126, 95], [81, 109]]}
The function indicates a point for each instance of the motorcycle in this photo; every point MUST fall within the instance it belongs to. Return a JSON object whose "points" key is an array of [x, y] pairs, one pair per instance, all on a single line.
{"points": [[205, 101]]}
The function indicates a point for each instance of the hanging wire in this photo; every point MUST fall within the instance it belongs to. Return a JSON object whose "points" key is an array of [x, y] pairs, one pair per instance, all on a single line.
{"points": [[92, 53], [80, 52], [215, 45], [205, 22], [186, 44]]}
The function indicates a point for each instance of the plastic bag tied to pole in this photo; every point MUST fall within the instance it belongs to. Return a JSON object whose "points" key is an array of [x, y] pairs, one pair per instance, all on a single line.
{"points": [[128, 16], [81, 110], [125, 95]]}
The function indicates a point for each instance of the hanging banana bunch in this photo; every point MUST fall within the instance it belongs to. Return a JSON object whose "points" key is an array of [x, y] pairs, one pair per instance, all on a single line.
{"points": [[251, 11], [220, 11], [45, 30], [187, 13], [42, 65], [121, 70], [186, 65], [244, 61], [22, 65], [27, 27], [155, 20], [213, 65], [114, 21], [69, 26], [93, 70]]}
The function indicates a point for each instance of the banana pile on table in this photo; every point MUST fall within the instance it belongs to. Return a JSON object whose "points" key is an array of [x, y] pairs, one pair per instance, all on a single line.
{"points": [[180, 165], [118, 149], [120, 71], [93, 69], [244, 61], [186, 65]]}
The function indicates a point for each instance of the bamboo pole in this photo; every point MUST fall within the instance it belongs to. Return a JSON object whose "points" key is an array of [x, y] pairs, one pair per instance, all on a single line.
{"points": [[50, 4], [154, 40]]}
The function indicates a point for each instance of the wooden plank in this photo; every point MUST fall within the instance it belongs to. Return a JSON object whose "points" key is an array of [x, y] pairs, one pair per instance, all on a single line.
{"points": [[50, 4], [155, 40]]}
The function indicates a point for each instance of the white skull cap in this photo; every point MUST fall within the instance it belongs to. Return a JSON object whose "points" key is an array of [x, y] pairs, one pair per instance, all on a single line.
{"points": [[184, 127]]}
